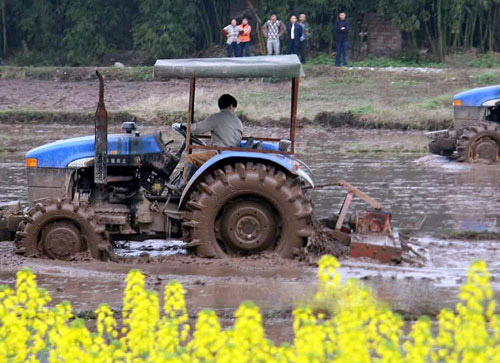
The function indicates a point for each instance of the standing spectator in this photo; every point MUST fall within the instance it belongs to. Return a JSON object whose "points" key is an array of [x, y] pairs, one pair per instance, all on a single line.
{"points": [[306, 33], [245, 31], [232, 32], [341, 39], [294, 32], [273, 30]]}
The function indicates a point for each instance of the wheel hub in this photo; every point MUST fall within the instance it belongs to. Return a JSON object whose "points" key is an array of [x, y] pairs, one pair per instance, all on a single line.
{"points": [[484, 148], [61, 240], [248, 226]]}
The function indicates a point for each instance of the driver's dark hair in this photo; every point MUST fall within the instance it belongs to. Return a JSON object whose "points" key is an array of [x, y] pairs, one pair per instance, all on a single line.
{"points": [[227, 100]]}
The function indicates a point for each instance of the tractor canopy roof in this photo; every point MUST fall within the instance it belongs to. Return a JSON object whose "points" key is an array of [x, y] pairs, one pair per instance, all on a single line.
{"points": [[281, 66]]}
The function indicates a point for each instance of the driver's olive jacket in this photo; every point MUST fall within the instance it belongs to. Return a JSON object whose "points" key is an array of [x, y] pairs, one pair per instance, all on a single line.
{"points": [[225, 129]]}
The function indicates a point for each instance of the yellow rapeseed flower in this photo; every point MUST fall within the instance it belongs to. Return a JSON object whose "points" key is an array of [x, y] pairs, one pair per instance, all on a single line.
{"points": [[344, 323]]}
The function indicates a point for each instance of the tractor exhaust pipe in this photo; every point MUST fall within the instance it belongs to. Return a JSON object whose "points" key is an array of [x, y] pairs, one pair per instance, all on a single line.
{"points": [[101, 137]]}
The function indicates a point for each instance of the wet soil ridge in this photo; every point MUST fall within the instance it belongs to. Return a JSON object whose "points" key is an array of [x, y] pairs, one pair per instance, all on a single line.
{"points": [[145, 73], [62, 118], [349, 119], [76, 74], [324, 119]]}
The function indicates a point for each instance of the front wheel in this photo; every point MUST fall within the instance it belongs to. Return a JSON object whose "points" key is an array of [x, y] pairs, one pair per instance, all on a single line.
{"points": [[245, 209], [61, 229], [480, 142]]}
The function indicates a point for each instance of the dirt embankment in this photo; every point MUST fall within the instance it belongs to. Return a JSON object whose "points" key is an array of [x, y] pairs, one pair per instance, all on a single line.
{"points": [[76, 74], [349, 119], [324, 119], [404, 99], [145, 73]]}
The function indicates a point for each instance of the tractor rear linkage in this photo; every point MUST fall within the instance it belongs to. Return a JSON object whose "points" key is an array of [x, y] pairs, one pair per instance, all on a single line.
{"points": [[373, 235]]}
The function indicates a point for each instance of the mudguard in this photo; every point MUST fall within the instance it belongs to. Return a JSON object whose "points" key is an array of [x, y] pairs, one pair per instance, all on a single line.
{"points": [[281, 161]]}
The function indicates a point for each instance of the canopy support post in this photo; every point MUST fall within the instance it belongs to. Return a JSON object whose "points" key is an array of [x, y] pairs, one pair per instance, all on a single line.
{"points": [[190, 118], [293, 116]]}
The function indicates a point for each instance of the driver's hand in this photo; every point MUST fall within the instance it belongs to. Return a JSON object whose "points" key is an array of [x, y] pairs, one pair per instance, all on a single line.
{"points": [[181, 126]]}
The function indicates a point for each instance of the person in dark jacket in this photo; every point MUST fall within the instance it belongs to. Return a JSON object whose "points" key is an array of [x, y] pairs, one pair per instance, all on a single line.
{"points": [[294, 33], [306, 33], [341, 39]]}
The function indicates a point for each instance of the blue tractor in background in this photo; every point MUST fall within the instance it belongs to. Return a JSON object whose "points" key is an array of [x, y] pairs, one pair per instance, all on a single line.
{"points": [[476, 134], [87, 192]]}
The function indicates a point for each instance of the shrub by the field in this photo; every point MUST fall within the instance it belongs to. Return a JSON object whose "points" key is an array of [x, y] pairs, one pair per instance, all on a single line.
{"points": [[344, 323]]}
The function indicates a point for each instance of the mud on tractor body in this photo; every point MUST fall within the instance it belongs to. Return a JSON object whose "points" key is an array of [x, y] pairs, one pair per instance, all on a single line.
{"points": [[476, 133], [86, 193]]}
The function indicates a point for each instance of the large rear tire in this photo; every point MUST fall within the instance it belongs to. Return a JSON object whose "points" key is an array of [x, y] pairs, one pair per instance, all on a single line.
{"points": [[481, 142], [245, 209], [60, 230]]}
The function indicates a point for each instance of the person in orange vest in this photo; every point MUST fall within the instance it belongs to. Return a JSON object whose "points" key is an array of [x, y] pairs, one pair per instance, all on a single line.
{"points": [[245, 30]]}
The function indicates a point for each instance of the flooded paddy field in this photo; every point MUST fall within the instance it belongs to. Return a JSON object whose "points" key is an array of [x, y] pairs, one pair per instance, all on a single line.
{"points": [[388, 165]]}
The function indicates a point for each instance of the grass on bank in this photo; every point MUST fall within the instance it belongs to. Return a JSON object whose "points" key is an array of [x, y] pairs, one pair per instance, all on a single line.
{"points": [[470, 59]]}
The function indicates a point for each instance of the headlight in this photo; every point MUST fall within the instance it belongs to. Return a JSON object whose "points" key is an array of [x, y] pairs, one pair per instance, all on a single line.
{"points": [[80, 163], [457, 103]]}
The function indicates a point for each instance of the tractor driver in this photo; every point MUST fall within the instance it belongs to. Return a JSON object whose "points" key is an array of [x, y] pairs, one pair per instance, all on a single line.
{"points": [[225, 130]]}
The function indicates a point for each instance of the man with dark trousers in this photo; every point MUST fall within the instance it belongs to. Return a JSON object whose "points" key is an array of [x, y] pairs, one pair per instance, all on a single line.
{"points": [[306, 33], [294, 32], [341, 39]]}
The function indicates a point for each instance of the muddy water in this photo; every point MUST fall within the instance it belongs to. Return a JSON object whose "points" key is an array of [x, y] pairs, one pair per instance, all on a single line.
{"points": [[454, 198], [12, 178]]}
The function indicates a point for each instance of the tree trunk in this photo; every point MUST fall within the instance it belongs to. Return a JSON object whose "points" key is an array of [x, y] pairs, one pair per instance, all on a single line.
{"points": [[430, 39], [440, 32], [473, 31], [4, 24], [205, 27], [481, 44], [492, 29], [260, 36]]}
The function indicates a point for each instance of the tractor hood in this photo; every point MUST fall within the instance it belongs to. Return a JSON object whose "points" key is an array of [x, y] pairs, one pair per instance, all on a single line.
{"points": [[478, 96], [60, 153]]}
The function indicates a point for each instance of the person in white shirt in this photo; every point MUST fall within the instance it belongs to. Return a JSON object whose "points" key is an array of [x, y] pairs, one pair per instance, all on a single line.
{"points": [[232, 33]]}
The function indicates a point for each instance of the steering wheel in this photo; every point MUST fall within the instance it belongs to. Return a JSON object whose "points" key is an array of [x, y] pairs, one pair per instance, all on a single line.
{"points": [[181, 130]]}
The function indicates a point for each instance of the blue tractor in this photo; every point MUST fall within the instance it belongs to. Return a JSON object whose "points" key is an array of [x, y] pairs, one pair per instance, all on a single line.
{"points": [[476, 134], [87, 192]]}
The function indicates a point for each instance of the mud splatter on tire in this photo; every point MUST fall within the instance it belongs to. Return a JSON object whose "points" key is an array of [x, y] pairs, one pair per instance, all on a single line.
{"points": [[62, 220], [254, 181]]}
